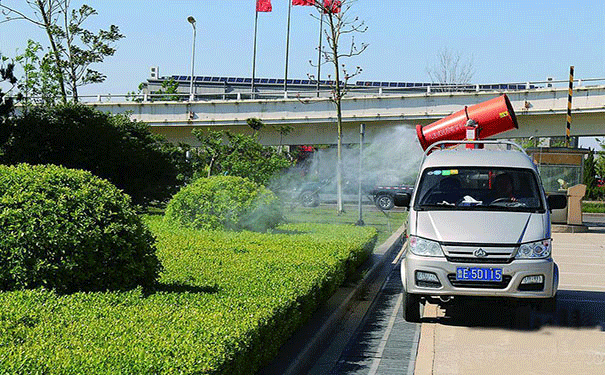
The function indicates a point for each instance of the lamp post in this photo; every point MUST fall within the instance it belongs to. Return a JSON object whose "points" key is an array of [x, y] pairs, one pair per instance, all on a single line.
{"points": [[191, 20], [362, 130]]}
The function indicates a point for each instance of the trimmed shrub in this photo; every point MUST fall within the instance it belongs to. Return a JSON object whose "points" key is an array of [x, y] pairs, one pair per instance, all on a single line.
{"points": [[225, 303], [70, 231], [225, 202]]}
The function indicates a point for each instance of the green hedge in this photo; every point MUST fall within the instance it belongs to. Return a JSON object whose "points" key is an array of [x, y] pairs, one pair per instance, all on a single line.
{"points": [[225, 202], [225, 304], [593, 207], [70, 231]]}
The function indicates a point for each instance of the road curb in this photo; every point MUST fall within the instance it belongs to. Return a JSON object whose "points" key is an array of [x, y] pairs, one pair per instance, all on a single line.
{"points": [[425, 356], [298, 359]]}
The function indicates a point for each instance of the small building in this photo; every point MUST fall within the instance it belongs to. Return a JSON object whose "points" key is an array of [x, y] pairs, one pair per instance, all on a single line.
{"points": [[562, 168]]}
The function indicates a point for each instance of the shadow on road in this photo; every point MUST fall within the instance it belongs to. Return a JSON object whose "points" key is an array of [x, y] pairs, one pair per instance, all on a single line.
{"points": [[575, 309]]}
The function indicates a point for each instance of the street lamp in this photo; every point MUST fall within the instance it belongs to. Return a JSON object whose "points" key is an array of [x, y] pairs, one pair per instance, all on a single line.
{"points": [[191, 20], [362, 131]]}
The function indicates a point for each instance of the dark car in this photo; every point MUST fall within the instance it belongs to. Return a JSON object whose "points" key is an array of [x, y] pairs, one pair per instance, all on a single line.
{"points": [[388, 196], [385, 197]]}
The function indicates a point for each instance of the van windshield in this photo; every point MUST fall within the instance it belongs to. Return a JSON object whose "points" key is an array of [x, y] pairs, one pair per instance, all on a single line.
{"points": [[475, 188]]}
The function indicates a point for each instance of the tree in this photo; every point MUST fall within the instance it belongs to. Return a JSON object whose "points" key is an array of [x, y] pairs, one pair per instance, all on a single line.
{"points": [[211, 149], [255, 124], [590, 172], [340, 24], [283, 131], [451, 70], [72, 48], [224, 153], [41, 75], [113, 147], [169, 91], [600, 161], [6, 102]]}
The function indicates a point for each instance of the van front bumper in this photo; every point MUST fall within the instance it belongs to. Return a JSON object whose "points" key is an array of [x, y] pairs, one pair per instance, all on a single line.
{"points": [[420, 274]]}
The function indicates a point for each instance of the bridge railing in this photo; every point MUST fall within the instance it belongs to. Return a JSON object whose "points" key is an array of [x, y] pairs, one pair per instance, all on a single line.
{"points": [[384, 90]]}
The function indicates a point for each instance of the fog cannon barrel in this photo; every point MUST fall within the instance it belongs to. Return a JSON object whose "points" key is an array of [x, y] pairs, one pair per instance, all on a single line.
{"points": [[493, 116]]}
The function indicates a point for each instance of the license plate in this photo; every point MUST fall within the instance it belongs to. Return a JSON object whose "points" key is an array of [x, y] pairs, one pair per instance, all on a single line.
{"points": [[478, 274]]}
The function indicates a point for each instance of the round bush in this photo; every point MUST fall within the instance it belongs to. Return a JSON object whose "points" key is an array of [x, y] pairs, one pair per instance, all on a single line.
{"points": [[70, 231], [225, 202]]}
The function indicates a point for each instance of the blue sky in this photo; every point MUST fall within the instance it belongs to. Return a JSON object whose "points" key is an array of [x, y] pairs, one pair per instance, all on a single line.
{"points": [[511, 41], [508, 41]]}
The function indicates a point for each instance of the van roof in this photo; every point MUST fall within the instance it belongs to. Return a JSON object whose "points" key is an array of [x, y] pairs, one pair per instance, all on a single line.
{"points": [[460, 157]]}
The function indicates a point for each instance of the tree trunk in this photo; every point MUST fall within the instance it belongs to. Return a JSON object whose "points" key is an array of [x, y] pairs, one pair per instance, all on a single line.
{"points": [[338, 102], [56, 54]]}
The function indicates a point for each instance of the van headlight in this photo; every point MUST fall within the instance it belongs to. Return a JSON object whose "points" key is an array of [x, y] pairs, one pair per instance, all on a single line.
{"points": [[534, 250], [424, 247]]}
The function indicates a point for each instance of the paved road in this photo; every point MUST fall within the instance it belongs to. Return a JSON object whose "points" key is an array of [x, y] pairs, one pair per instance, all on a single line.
{"points": [[513, 339], [496, 338], [385, 343]]}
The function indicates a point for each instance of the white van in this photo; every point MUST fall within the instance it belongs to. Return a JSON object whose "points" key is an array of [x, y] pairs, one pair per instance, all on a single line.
{"points": [[479, 226]]}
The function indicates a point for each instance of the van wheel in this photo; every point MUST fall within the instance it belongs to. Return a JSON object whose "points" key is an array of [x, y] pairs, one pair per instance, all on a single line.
{"points": [[411, 307]]}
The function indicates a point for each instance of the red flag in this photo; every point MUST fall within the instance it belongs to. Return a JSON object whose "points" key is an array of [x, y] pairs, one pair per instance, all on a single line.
{"points": [[332, 6], [303, 2], [263, 6]]}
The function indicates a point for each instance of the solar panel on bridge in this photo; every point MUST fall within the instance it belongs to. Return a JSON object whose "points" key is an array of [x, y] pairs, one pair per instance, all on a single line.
{"points": [[296, 81], [263, 80], [273, 80], [183, 78], [306, 82], [239, 80], [199, 79], [207, 79], [248, 80], [223, 79], [231, 79], [215, 79]]}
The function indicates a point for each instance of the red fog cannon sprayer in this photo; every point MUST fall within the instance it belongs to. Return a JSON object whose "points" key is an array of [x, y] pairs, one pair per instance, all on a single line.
{"points": [[478, 121]]}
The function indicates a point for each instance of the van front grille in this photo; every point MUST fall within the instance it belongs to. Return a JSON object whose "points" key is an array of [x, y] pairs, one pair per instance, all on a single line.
{"points": [[499, 260], [479, 284]]}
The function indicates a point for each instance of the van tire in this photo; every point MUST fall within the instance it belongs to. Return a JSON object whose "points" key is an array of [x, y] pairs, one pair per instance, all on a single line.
{"points": [[411, 307]]}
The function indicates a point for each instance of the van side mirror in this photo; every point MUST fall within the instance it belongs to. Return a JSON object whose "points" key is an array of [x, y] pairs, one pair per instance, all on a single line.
{"points": [[556, 201], [402, 200]]}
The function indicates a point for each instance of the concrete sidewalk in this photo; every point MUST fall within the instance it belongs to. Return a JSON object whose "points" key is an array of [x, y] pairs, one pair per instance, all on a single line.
{"points": [[504, 339]]}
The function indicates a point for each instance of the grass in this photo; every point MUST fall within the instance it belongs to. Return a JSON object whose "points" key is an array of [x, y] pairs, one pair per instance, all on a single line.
{"points": [[385, 222], [593, 207]]}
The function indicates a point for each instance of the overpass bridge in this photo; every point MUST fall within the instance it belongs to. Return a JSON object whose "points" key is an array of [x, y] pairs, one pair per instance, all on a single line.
{"points": [[541, 112]]}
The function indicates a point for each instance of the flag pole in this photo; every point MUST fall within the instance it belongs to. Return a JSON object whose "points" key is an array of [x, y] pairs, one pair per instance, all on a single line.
{"points": [[254, 54], [287, 46], [321, 27]]}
